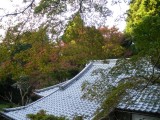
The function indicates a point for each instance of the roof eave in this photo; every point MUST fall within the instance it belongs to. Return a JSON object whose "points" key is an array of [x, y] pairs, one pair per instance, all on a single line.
{"points": [[6, 116], [157, 114]]}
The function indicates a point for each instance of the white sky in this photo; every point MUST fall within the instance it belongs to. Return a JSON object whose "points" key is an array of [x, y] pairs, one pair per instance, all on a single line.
{"points": [[8, 6], [118, 10]]}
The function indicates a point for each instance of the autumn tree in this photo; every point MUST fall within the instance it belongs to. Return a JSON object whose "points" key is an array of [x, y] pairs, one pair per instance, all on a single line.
{"points": [[28, 56], [82, 43], [113, 42]]}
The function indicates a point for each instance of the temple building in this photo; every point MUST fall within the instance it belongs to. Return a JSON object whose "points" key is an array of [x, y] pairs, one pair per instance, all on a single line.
{"points": [[65, 99]]}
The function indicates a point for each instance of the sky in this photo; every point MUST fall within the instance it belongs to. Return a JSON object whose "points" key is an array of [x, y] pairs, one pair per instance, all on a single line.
{"points": [[8, 6], [118, 11]]}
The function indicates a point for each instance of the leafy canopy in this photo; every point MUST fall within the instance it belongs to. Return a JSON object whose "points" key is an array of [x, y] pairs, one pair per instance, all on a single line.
{"points": [[143, 26]]}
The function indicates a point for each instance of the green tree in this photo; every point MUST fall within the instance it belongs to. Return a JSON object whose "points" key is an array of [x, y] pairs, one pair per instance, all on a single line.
{"points": [[74, 29], [143, 9], [143, 26]]}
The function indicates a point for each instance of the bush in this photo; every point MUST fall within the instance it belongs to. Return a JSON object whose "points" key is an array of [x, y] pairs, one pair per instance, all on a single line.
{"points": [[41, 115]]}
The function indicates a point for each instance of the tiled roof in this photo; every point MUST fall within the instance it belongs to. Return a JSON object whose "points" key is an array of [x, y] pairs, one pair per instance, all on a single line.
{"points": [[65, 98], [146, 101]]}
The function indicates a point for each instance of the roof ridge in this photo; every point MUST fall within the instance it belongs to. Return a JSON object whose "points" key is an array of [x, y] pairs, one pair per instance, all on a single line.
{"points": [[61, 84], [50, 87], [65, 85]]}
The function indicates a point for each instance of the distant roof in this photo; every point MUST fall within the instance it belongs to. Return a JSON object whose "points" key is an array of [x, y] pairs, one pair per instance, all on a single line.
{"points": [[65, 98]]}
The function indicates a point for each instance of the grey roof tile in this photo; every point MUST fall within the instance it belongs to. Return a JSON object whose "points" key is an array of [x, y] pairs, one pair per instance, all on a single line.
{"points": [[146, 101], [65, 98]]}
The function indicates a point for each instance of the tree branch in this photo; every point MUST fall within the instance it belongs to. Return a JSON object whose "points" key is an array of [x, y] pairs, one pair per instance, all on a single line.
{"points": [[80, 4], [8, 98], [21, 12]]}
